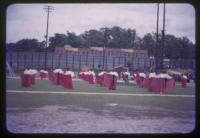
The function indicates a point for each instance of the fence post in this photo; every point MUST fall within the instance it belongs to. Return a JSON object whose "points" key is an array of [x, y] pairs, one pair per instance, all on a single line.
{"points": [[106, 57], [87, 58], [17, 61], [10, 59], [73, 62], [138, 62], [119, 61], [99, 59], [59, 60], [66, 59], [24, 61], [124, 61], [39, 61], [44, 64], [132, 63], [93, 62], [113, 62], [32, 60], [79, 62], [52, 58]]}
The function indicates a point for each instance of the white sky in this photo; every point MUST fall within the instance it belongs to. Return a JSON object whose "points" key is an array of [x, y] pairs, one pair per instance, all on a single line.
{"points": [[29, 20]]}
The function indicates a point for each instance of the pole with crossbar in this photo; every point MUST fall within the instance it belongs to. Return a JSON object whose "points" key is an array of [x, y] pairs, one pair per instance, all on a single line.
{"points": [[47, 9]]}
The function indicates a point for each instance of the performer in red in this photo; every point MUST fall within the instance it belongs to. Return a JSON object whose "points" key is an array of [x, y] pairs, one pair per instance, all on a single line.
{"points": [[146, 81], [91, 76], [67, 79], [25, 78], [137, 78], [142, 76], [125, 76], [100, 78], [183, 81], [57, 73], [43, 74], [112, 80]]}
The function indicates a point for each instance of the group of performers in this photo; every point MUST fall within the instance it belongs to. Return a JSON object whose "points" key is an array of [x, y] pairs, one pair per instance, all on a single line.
{"points": [[142, 79], [152, 81]]}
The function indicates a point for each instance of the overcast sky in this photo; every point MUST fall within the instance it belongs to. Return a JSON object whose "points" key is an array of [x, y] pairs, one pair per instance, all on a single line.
{"points": [[29, 20]]}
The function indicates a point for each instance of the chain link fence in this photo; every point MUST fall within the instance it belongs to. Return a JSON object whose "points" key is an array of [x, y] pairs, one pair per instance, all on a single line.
{"points": [[36, 60]]}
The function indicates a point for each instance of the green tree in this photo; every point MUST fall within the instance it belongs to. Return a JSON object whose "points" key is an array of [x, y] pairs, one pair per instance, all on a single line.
{"points": [[148, 43], [73, 40], [58, 40], [27, 45]]}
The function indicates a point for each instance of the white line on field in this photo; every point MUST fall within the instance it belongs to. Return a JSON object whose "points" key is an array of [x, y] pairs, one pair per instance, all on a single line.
{"points": [[95, 93], [37, 78], [75, 79]]}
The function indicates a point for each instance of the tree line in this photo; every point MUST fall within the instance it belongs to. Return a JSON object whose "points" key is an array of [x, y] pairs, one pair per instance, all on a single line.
{"points": [[114, 37]]}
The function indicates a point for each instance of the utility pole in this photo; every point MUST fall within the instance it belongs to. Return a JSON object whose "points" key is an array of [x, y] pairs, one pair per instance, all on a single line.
{"points": [[163, 37], [104, 47], [47, 9], [157, 47]]}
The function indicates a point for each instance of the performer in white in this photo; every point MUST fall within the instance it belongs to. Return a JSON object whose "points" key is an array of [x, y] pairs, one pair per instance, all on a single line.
{"points": [[26, 71], [113, 73], [30, 71], [127, 73], [164, 75], [68, 72], [101, 73], [44, 71], [58, 71], [33, 71], [141, 74], [152, 75], [184, 76], [92, 73]]}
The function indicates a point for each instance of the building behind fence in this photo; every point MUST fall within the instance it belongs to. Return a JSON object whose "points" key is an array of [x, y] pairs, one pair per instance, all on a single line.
{"points": [[93, 57]]}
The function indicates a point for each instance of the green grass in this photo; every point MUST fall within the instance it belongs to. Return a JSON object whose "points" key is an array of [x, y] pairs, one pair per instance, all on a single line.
{"points": [[96, 102], [82, 86]]}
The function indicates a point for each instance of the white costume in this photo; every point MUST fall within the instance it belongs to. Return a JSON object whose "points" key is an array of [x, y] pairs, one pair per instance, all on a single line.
{"points": [[26, 71], [70, 73], [58, 71], [152, 75], [113, 73], [43, 71], [101, 73], [142, 75]]}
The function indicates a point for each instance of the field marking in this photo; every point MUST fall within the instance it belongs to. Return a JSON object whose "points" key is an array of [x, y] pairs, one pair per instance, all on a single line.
{"points": [[37, 78], [77, 79], [96, 93], [121, 81], [74, 79]]}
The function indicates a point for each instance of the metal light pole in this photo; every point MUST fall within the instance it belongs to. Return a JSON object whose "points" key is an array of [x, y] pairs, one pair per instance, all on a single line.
{"points": [[47, 9], [104, 47], [157, 47], [163, 37]]}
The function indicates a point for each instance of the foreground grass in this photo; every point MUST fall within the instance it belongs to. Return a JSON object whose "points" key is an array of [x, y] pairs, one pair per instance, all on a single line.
{"points": [[97, 102]]}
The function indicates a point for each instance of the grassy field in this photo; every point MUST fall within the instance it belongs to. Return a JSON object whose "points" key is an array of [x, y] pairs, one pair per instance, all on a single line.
{"points": [[97, 113], [82, 86]]}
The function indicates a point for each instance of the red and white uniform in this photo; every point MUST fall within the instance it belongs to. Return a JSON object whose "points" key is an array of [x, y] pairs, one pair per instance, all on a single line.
{"points": [[43, 74], [126, 76], [183, 81]]}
